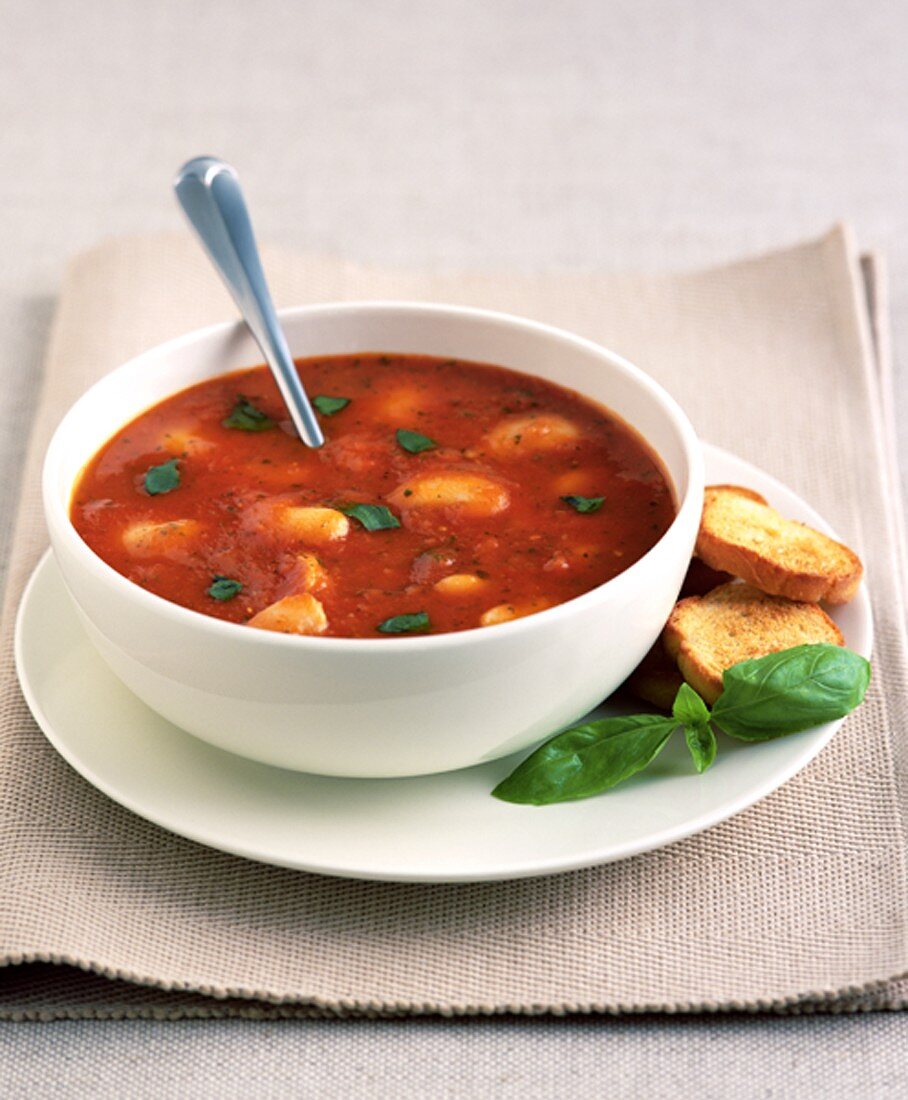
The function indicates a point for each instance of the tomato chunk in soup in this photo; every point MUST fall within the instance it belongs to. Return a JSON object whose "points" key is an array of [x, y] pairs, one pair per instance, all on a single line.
{"points": [[448, 495]]}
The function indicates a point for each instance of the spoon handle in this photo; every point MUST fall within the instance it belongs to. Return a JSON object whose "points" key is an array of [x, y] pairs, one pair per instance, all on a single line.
{"points": [[209, 192]]}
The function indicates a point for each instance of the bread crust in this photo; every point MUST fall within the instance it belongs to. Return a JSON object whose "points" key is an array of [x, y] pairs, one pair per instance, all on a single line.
{"points": [[742, 535], [741, 490], [736, 622]]}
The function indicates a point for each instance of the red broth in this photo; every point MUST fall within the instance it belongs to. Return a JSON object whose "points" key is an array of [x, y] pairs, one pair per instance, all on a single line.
{"points": [[491, 494]]}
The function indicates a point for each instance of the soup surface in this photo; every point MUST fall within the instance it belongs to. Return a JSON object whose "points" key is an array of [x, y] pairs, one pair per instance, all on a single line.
{"points": [[448, 495]]}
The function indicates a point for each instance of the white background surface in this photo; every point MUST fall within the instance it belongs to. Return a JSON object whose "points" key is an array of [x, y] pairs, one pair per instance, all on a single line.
{"points": [[450, 133]]}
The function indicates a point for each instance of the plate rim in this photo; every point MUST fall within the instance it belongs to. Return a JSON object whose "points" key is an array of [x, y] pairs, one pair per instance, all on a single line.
{"points": [[819, 737]]}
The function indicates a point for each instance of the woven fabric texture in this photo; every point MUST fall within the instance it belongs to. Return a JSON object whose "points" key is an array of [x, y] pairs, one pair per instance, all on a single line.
{"points": [[798, 904]]}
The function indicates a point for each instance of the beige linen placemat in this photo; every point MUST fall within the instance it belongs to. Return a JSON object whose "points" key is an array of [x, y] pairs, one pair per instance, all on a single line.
{"points": [[798, 904]]}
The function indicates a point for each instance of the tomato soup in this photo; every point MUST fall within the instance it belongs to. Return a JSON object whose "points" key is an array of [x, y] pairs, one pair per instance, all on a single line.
{"points": [[448, 495]]}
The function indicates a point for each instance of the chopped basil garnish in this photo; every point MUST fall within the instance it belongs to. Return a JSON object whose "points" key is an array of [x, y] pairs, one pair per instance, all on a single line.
{"points": [[374, 517], [328, 406], [224, 588], [247, 417], [585, 505], [405, 624], [414, 442], [765, 698], [163, 478]]}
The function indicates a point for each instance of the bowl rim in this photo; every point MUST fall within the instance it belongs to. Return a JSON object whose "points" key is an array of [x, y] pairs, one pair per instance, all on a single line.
{"points": [[61, 527]]}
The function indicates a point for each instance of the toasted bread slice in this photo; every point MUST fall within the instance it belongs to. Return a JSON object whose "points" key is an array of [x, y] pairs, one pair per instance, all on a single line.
{"points": [[656, 679], [736, 622], [741, 490], [742, 535]]}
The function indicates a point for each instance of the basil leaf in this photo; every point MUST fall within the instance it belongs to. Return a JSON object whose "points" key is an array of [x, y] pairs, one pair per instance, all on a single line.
{"points": [[163, 478], [328, 406], [587, 760], [414, 442], [690, 710], [374, 517], [405, 624], [224, 588], [247, 417], [790, 691], [701, 743], [584, 505]]}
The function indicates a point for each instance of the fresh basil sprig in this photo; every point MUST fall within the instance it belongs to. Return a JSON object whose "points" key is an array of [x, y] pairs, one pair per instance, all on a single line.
{"points": [[587, 760], [790, 691], [693, 714], [768, 697]]}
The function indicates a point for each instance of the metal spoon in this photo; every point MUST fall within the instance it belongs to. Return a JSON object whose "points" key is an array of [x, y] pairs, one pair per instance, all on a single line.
{"points": [[209, 192]]}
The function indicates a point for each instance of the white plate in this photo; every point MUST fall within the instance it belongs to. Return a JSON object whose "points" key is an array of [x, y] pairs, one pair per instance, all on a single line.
{"points": [[440, 828]]}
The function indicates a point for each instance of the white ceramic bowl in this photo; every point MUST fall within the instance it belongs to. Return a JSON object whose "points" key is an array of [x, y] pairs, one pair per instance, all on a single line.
{"points": [[383, 707]]}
